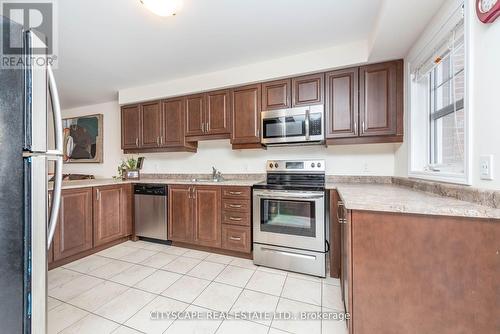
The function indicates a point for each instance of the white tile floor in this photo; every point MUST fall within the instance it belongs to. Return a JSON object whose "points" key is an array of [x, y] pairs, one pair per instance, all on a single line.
{"points": [[115, 291]]}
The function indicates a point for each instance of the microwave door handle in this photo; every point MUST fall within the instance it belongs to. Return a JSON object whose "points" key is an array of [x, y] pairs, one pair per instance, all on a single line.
{"points": [[55, 155], [308, 121]]}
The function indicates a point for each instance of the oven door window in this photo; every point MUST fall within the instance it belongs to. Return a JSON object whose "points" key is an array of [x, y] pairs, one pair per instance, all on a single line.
{"points": [[288, 217]]}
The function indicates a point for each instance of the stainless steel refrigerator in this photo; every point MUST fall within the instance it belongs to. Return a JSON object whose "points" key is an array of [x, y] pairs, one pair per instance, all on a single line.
{"points": [[26, 226]]}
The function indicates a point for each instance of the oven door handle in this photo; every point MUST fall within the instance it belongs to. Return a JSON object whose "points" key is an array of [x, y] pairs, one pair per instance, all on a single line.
{"points": [[292, 254], [286, 197]]}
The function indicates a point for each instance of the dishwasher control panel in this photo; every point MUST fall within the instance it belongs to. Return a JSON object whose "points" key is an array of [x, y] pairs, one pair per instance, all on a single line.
{"points": [[150, 189]]}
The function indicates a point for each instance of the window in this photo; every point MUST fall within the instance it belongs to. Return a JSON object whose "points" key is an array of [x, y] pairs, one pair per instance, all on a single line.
{"points": [[438, 108]]}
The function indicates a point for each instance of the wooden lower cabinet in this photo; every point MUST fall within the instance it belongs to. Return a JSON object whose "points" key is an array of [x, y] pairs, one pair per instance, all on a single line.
{"points": [[335, 234], [74, 227], [410, 273], [236, 238], [207, 219], [90, 218], [112, 213], [180, 213], [236, 219], [196, 216]]}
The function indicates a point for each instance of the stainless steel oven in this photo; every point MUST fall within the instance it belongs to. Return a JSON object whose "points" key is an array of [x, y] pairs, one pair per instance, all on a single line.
{"points": [[289, 217], [302, 125]]}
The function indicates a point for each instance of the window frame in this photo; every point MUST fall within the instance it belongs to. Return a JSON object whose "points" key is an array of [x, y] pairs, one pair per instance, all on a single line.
{"points": [[415, 157]]}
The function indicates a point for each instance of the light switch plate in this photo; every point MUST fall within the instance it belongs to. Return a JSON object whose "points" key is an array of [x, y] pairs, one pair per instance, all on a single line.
{"points": [[486, 167]]}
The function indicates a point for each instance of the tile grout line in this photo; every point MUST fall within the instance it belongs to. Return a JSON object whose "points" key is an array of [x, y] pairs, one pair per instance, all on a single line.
{"points": [[176, 256]]}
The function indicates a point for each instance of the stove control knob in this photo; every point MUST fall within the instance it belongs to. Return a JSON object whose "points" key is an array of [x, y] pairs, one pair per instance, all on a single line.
{"points": [[271, 165], [276, 165], [319, 164], [312, 165]]}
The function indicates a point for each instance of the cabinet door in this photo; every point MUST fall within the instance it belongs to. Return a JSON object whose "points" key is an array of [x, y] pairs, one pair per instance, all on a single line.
{"points": [[276, 94], [308, 90], [74, 226], [173, 122], [207, 230], [195, 123], [131, 125], [378, 98], [342, 103], [109, 214], [151, 124], [180, 213], [346, 265], [246, 103], [218, 112]]}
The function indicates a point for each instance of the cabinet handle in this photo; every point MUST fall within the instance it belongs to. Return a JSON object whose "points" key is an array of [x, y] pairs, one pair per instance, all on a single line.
{"points": [[363, 127], [98, 195], [235, 238], [235, 193], [161, 140], [193, 192], [137, 142], [203, 127], [236, 206], [355, 128], [206, 126], [235, 219], [340, 213], [189, 192], [157, 141]]}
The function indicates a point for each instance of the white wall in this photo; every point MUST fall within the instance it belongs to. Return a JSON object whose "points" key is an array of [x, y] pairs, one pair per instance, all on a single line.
{"points": [[373, 159], [112, 153], [313, 61], [485, 53], [484, 80]]}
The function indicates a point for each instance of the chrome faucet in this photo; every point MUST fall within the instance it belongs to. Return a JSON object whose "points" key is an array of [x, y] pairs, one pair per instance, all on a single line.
{"points": [[216, 175]]}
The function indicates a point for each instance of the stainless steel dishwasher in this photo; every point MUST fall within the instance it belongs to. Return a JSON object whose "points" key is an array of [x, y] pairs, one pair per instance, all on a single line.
{"points": [[151, 211]]}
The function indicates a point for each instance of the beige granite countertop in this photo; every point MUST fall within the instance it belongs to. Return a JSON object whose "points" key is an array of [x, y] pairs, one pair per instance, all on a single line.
{"points": [[399, 199], [105, 182], [357, 193]]}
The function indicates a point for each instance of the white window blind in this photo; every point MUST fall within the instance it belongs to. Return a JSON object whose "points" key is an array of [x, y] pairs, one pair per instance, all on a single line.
{"points": [[438, 90]]}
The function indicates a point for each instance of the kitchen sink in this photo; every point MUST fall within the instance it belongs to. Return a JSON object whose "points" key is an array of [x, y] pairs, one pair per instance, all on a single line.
{"points": [[206, 180]]}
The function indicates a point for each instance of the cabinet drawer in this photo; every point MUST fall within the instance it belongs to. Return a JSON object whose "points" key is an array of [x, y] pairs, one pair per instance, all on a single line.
{"points": [[236, 205], [236, 238], [236, 192], [236, 218]]}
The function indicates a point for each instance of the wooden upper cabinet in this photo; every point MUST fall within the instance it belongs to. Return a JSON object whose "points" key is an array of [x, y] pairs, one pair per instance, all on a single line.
{"points": [[195, 111], [207, 220], [308, 90], [173, 114], [111, 210], [381, 98], [246, 107], [341, 113], [218, 112], [276, 94], [151, 124], [180, 213], [131, 125], [74, 225]]}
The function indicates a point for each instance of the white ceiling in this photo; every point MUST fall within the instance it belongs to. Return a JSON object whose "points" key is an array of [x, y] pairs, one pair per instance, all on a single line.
{"points": [[109, 45]]}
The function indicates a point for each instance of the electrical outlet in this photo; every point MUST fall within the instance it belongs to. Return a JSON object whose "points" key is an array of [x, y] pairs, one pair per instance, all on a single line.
{"points": [[486, 167]]}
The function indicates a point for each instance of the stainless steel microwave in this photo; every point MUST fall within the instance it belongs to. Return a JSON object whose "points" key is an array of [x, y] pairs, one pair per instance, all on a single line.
{"points": [[301, 125]]}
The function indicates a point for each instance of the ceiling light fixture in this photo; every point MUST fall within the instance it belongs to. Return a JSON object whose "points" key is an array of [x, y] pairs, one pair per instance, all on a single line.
{"points": [[163, 7]]}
